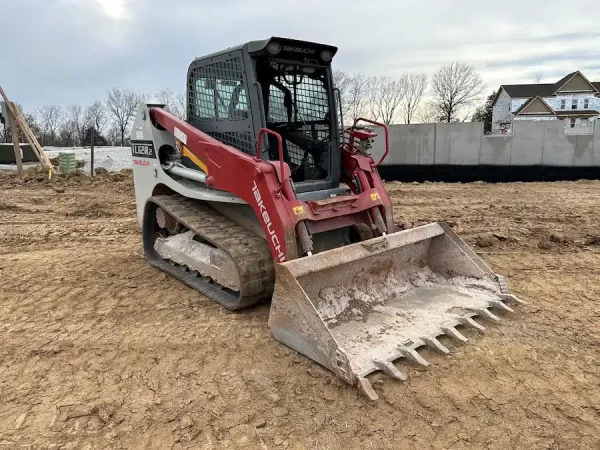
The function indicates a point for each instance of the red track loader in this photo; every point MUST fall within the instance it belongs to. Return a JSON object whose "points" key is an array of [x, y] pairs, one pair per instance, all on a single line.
{"points": [[262, 194]]}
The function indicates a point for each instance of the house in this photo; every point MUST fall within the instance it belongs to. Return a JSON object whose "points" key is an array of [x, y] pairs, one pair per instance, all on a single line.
{"points": [[573, 98]]}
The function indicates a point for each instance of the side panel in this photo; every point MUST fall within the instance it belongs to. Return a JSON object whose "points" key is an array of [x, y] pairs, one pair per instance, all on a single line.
{"points": [[148, 173], [465, 145], [427, 144], [407, 140], [559, 148], [527, 143], [495, 150], [442, 143], [584, 151]]}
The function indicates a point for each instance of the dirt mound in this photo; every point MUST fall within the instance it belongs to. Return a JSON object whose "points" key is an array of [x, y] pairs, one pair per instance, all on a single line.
{"points": [[37, 177]]}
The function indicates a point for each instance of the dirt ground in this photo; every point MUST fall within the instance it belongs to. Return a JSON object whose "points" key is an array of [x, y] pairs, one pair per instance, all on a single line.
{"points": [[100, 350]]}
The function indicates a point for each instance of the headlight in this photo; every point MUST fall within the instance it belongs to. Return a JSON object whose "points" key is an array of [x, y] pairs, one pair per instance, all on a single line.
{"points": [[326, 55], [273, 47]]}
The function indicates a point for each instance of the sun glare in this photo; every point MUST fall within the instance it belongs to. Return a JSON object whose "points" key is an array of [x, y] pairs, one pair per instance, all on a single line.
{"points": [[114, 8]]}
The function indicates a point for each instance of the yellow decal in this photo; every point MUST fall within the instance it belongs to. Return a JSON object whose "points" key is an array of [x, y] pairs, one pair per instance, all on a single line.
{"points": [[188, 154], [298, 210], [375, 196]]}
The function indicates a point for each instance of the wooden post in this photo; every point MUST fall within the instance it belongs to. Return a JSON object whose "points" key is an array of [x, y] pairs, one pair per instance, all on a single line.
{"points": [[35, 145], [15, 138], [92, 153]]}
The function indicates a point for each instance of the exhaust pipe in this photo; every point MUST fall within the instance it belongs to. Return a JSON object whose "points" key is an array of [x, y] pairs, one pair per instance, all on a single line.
{"points": [[184, 172]]}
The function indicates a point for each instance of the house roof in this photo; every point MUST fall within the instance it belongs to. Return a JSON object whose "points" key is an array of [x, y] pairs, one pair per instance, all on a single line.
{"points": [[563, 82], [529, 90], [537, 98], [564, 79], [577, 112], [540, 89]]}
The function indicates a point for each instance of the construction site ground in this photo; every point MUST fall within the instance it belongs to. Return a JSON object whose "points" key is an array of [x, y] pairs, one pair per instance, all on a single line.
{"points": [[100, 350]]}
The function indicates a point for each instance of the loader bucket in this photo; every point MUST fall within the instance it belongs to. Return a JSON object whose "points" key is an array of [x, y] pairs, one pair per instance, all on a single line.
{"points": [[358, 308]]}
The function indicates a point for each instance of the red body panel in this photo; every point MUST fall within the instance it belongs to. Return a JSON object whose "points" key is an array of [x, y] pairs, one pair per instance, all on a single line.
{"points": [[266, 186]]}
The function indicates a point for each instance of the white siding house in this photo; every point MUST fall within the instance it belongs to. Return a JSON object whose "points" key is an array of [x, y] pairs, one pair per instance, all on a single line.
{"points": [[573, 99]]}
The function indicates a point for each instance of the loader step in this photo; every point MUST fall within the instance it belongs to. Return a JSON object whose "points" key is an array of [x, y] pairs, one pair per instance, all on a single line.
{"points": [[249, 252]]}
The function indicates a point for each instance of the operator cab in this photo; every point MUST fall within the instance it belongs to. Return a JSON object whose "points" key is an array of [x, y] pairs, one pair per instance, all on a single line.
{"points": [[280, 84], [297, 102]]}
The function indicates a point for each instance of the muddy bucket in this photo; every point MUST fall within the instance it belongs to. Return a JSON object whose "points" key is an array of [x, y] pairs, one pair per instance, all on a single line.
{"points": [[358, 308]]}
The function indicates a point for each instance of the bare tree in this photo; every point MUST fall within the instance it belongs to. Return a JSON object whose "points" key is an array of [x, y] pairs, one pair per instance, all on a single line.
{"points": [[386, 96], [113, 135], [180, 105], [165, 97], [428, 113], [121, 106], [51, 117], [175, 102], [73, 126], [342, 81], [356, 98], [537, 77], [373, 98], [455, 86], [95, 116], [416, 84]]}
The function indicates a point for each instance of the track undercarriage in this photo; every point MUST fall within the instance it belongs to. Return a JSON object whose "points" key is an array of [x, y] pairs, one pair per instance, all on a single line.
{"points": [[243, 274]]}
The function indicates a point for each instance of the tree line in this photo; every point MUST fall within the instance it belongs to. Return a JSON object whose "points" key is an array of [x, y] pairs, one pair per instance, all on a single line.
{"points": [[110, 119], [452, 94]]}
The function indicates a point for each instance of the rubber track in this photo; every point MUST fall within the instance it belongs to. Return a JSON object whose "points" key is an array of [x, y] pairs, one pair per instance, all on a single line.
{"points": [[249, 252]]}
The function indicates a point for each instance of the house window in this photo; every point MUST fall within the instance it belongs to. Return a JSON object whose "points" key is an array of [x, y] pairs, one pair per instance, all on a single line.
{"points": [[583, 122], [563, 104], [572, 123], [509, 107], [574, 104], [586, 103]]}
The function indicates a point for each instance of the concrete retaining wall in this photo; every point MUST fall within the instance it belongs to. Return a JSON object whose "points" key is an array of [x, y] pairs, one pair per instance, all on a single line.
{"points": [[7, 154], [543, 143]]}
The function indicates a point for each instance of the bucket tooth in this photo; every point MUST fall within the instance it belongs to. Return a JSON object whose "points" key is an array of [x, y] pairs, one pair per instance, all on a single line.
{"points": [[502, 283], [365, 387], [454, 333], [512, 298], [433, 343], [501, 305], [413, 355], [484, 312], [470, 322], [389, 369]]}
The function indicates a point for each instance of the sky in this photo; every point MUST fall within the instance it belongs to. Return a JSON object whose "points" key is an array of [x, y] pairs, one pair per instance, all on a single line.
{"points": [[72, 51]]}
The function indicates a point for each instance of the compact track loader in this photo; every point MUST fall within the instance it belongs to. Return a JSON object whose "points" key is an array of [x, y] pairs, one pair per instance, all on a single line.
{"points": [[263, 194]]}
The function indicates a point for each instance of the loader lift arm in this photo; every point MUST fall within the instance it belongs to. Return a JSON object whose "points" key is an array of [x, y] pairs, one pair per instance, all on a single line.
{"points": [[268, 188]]}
